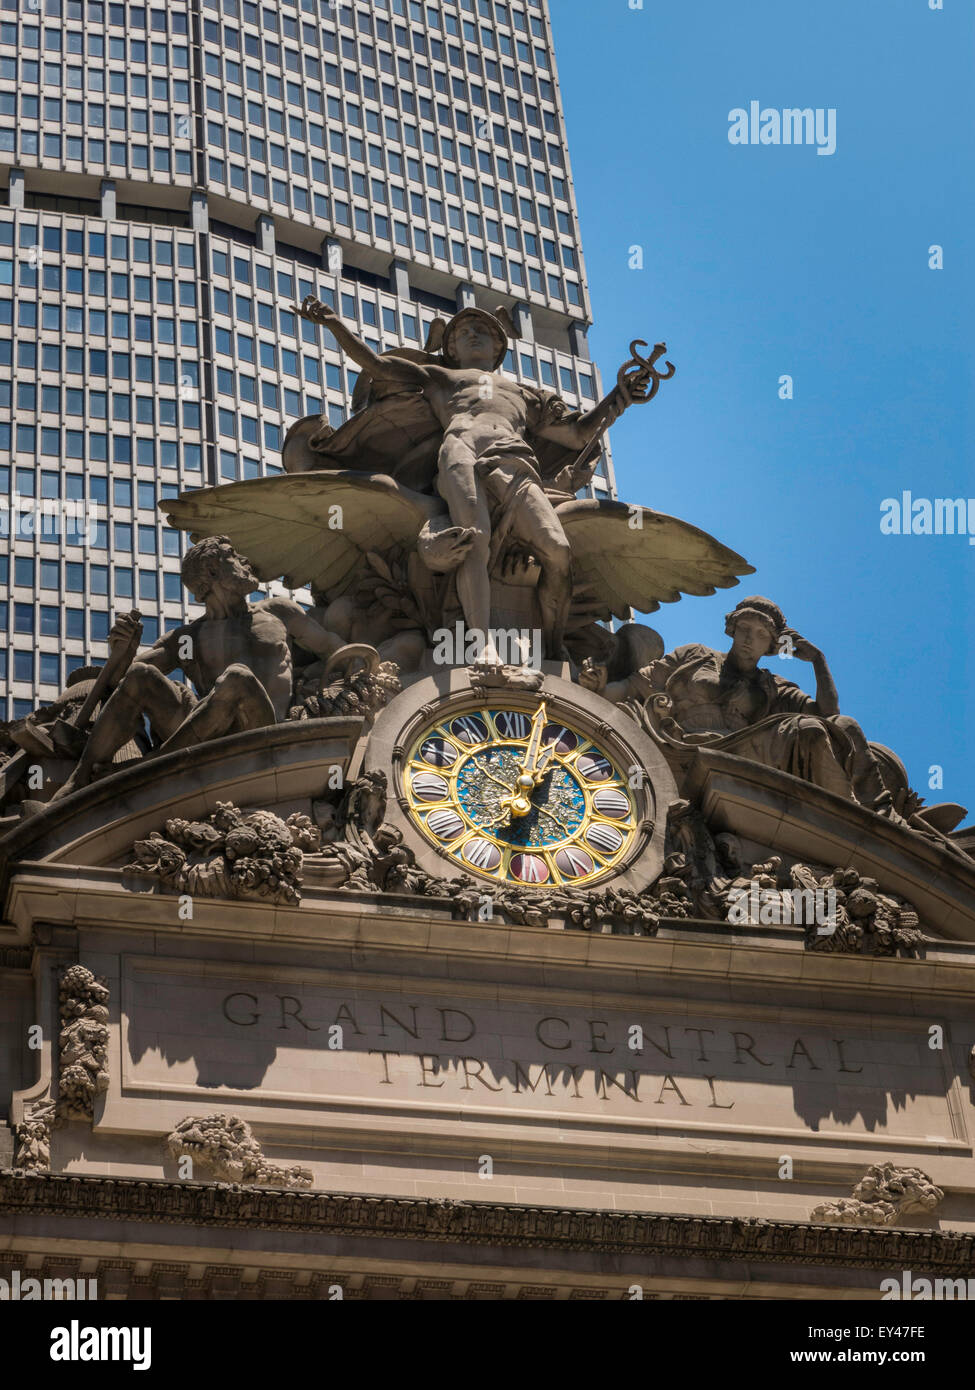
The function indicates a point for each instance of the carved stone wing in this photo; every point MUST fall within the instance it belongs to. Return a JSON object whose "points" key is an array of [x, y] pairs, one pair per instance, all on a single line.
{"points": [[307, 528], [622, 565]]}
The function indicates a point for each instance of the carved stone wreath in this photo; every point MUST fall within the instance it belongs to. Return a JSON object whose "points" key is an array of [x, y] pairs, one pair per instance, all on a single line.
{"points": [[230, 854]]}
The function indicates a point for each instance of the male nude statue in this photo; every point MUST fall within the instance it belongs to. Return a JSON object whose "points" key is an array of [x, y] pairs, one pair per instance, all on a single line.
{"points": [[488, 473], [237, 656]]}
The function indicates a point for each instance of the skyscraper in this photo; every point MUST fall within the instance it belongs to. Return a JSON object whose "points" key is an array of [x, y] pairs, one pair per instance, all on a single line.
{"points": [[177, 178]]}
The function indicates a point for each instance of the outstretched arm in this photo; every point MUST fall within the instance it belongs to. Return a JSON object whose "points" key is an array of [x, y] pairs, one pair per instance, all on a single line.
{"points": [[581, 430], [636, 380], [379, 368]]}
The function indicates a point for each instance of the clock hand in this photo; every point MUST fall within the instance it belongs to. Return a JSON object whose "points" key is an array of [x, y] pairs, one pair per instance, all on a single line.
{"points": [[509, 810], [533, 770], [518, 803], [539, 721], [541, 765], [506, 810], [538, 774]]}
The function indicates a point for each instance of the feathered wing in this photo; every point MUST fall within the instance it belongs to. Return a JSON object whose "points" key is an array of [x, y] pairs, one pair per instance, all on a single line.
{"points": [[308, 528], [618, 564]]}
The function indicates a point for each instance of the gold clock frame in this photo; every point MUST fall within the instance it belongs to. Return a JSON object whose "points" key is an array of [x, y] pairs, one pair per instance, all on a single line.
{"points": [[488, 708], [431, 699]]}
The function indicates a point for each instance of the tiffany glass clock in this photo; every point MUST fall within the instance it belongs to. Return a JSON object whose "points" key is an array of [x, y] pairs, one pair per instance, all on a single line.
{"points": [[519, 797]]}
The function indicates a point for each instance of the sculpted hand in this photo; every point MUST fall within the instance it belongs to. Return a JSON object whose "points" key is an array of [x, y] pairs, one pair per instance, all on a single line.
{"points": [[638, 379], [580, 476], [631, 387], [593, 676], [517, 566], [126, 627], [315, 311], [801, 647]]}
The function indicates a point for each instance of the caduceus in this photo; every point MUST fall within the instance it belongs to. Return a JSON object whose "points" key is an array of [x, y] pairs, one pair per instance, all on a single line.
{"points": [[639, 376], [637, 382]]}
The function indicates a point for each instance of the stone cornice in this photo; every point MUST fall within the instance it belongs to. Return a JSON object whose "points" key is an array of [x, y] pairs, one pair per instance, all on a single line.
{"points": [[948, 1254], [330, 921]]}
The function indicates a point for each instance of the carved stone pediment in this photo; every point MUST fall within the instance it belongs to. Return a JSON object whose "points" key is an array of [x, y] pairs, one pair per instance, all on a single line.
{"points": [[805, 823], [281, 769]]}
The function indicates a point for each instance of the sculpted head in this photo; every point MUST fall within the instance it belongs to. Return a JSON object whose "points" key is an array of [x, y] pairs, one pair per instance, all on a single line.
{"points": [[475, 338], [754, 626], [214, 566]]}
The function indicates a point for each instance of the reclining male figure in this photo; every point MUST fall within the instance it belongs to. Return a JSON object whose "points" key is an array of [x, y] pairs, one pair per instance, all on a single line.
{"points": [[237, 656]]}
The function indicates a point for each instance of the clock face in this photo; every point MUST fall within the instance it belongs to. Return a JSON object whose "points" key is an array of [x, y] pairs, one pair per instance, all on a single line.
{"points": [[520, 798]]}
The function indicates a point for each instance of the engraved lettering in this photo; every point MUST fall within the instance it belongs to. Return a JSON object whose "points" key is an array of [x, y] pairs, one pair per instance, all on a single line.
{"points": [[429, 1066], [344, 1012], [447, 1037], [241, 1022], [839, 1048], [670, 1084], [702, 1055], [714, 1100], [799, 1049], [523, 1076], [561, 1047], [467, 1063], [385, 1056], [629, 1088], [385, 1013], [746, 1047], [295, 1013]]}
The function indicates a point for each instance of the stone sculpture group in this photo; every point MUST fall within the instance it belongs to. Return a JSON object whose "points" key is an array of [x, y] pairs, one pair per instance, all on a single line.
{"points": [[446, 502], [440, 517]]}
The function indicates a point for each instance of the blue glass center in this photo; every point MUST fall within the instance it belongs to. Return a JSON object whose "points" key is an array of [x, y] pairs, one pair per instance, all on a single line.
{"points": [[486, 778]]}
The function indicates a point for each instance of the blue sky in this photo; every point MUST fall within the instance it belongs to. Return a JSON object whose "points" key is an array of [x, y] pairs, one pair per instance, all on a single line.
{"points": [[761, 261]]}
